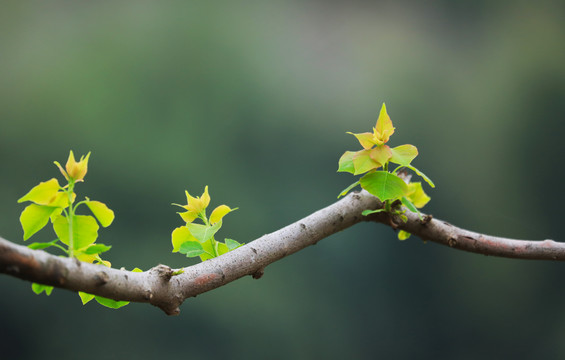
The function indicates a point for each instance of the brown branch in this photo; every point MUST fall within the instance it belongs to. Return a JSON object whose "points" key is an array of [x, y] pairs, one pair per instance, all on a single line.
{"points": [[160, 287]]}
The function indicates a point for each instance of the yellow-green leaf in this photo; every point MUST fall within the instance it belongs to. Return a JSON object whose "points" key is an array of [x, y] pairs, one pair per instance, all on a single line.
{"points": [[417, 195], [403, 154], [219, 213], [110, 303], [346, 162], [381, 154], [43, 193], [179, 236], [188, 216], [222, 248], [85, 230], [363, 162], [104, 215], [34, 218], [384, 129], [365, 139], [209, 249], [39, 288], [403, 235], [84, 297]]}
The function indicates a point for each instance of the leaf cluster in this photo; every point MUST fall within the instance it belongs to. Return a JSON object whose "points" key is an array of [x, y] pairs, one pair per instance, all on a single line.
{"points": [[197, 239], [374, 161], [76, 234]]}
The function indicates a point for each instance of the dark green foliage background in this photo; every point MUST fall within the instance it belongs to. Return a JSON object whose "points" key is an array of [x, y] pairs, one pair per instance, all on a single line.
{"points": [[253, 98]]}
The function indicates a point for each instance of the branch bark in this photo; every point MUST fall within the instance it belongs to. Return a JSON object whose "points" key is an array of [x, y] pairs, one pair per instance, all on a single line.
{"points": [[158, 286]]}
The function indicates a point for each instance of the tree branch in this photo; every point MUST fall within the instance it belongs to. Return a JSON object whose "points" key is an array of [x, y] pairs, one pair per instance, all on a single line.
{"points": [[158, 286]]}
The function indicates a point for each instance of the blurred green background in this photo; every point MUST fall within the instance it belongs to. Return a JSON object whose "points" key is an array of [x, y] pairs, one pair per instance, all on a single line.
{"points": [[253, 98]]}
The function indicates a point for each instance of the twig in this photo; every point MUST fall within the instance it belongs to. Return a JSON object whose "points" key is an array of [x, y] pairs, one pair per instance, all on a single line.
{"points": [[160, 287]]}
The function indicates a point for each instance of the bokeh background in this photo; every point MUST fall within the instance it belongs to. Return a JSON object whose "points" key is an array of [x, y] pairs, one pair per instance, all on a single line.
{"points": [[253, 98]]}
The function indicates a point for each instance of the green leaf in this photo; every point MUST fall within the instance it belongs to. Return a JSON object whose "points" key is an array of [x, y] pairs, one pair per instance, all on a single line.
{"points": [[346, 162], [403, 235], [363, 162], [43, 193], [39, 288], [191, 248], [179, 236], [219, 213], [112, 304], [85, 230], [232, 244], [422, 175], [42, 245], [34, 218], [97, 249], [84, 297], [204, 232], [384, 185], [347, 189], [404, 154], [369, 212], [104, 215], [409, 205]]}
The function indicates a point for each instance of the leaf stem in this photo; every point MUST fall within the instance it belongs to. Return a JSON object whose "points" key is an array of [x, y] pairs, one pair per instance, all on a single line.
{"points": [[70, 217]]}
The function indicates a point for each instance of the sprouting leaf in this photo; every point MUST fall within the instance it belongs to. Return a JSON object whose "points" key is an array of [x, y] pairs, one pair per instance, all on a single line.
{"points": [[422, 175], [219, 213], [191, 248], [112, 304], [197, 204], [85, 230], [43, 193], [369, 212], [346, 162], [204, 232], [363, 162], [384, 185], [232, 244], [365, 139], [381, 154], [96, 249], [384, 129], [181, 235], [404, 154], [34, 218], [138, 270], [74, 170], [347, 189], [104, 215], [39, 288], [84, 297], [403, 235]]}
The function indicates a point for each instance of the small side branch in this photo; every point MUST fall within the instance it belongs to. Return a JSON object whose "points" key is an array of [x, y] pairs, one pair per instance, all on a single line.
{"points": [[160, 287]]}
